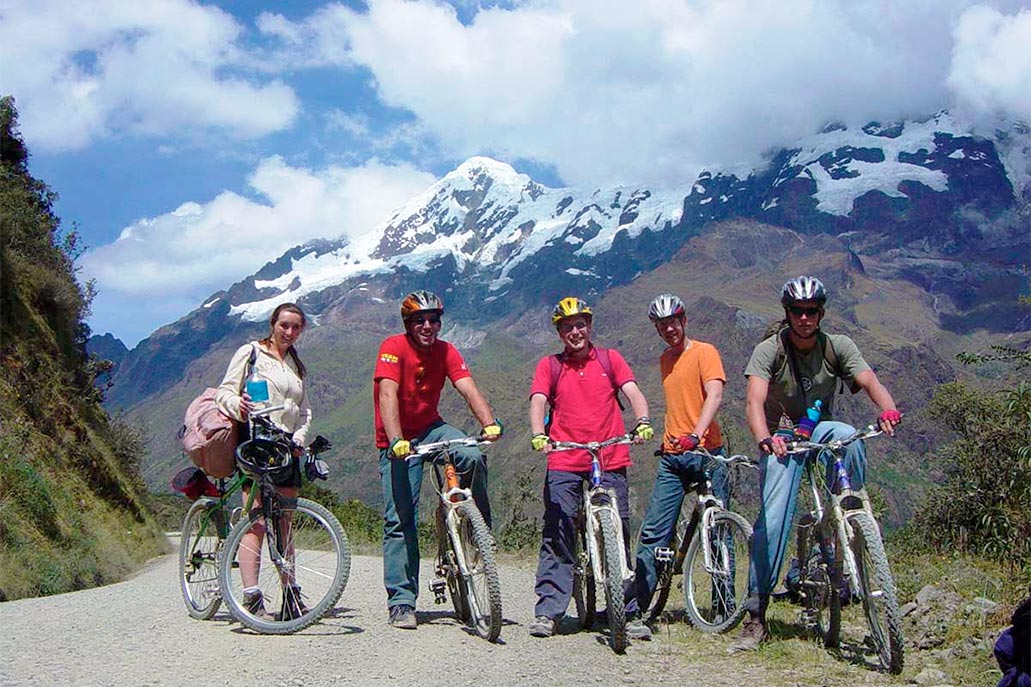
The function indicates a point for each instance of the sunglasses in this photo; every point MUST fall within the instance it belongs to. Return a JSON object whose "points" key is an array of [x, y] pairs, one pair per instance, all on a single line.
{"points": [[567, 327], [419, 321], [799, 311]]}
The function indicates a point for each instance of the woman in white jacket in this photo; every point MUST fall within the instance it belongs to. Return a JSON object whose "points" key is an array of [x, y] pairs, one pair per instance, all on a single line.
{"points": [[277, 363]]}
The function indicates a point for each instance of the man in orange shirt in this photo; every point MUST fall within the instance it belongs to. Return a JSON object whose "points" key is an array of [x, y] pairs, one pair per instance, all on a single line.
{"points": [[692, 381]]}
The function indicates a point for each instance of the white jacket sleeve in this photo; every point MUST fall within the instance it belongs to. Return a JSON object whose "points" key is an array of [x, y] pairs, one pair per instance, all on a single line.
{"points": [[227, 396]]}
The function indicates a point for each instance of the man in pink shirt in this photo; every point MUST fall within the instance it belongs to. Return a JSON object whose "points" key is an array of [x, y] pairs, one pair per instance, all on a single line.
{"points": [[584, 407]]}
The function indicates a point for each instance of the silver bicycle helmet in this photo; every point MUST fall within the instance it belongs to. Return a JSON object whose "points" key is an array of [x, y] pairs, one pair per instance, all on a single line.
{"points": [[418, 301], [665, 305], [802, 288]]}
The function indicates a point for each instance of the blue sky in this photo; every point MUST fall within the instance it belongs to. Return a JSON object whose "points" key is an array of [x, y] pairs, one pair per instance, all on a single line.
{"points": [[192, 142]]}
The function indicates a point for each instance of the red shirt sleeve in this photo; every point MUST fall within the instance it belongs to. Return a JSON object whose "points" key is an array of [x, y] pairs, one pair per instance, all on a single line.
{"points": [[388, 362], [541, 383], [620, 368], [454, 365]]}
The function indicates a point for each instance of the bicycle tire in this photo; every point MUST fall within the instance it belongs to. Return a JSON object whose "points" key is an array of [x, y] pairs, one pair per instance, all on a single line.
{"points": [[447, 562], [321, 559], [584, 592], [199, 554], [613, 569], [877, 588], [715, 598], [482, 586], [664, 580]]}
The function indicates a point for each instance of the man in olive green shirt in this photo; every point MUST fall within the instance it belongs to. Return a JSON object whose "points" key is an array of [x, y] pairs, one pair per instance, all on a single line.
{"points": [[787, 374]]}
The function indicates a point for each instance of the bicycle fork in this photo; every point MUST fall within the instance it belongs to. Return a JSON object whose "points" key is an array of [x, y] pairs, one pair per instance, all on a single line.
{"points": [[596, 500]]}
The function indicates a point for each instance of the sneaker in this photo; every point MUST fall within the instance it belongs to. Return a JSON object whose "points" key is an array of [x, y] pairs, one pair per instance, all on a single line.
{"points": [[753, 633], [636, 629], [403, 616], [254, 603], [542, 626]]}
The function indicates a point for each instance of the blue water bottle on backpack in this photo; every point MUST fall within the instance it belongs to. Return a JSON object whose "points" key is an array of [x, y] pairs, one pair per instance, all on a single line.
{"points": [[807, 423]]}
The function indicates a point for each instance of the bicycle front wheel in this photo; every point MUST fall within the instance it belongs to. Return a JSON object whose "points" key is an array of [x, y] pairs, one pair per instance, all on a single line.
{"points": [[613, 569], [715, 591], [481, 583], [584, 592], [199, 549], [301, 562], [877, 588]]}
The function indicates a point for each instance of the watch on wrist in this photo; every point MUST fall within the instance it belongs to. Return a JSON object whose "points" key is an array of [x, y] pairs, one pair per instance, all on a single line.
{"points": [[766, 445]]}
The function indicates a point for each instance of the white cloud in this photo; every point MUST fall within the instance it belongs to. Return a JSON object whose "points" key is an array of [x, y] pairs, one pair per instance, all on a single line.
{"points": [[81, 71], [609, 90], [991, 64], [186, 254]]}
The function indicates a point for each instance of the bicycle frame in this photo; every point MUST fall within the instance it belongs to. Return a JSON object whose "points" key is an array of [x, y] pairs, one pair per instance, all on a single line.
{"points": [[449, 491], [841, 501], [596, 499]]}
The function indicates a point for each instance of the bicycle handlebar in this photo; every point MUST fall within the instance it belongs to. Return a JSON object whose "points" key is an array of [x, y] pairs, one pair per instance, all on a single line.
{"points": [[438, 446], [592, 445], [262, 412], [834, 444]]}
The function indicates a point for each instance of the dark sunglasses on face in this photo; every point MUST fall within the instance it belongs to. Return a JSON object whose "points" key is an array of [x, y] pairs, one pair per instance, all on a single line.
{"points": [[798, 311], [419, 321], [567, 327]]}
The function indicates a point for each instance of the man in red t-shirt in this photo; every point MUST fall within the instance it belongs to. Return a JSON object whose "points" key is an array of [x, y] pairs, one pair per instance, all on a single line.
{"points": [[584, 408], [410, 372]]}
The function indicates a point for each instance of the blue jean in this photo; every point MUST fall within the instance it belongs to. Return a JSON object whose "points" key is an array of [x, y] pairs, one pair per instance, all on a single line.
{"points": [[779, 479], [676, 474], [563, 494], [401, 481]]}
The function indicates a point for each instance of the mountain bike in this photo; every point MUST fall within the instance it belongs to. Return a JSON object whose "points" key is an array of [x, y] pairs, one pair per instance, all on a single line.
{"points": [[600, 556], [710, 550], [844, 558], [465, 563], [305, 561]]}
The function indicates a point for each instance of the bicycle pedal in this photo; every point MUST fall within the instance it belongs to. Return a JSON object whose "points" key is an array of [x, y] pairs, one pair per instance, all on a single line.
{"points": [[663, 554], [439, 589]]}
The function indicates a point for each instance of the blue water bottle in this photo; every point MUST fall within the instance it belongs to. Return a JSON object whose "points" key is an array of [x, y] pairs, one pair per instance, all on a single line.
{"points": [[807, 423], [256, 387], [595, 472]]}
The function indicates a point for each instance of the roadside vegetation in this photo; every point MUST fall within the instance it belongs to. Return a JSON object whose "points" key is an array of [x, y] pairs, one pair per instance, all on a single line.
{"points": [[71, 497]]}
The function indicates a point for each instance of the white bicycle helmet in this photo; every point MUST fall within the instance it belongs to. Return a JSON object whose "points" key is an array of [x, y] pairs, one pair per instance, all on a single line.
{"points": [[665, 305], [802, 288]]}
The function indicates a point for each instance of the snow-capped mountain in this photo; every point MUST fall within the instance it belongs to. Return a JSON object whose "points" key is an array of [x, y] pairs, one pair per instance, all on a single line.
{"points": [[494, 230], [934, 203]]}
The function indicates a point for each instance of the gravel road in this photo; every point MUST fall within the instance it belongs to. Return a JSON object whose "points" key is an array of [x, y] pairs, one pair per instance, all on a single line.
{"points": [[138, 633]]}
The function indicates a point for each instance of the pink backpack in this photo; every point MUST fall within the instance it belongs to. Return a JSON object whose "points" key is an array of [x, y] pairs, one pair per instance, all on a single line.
{"points": [[208, 435]]}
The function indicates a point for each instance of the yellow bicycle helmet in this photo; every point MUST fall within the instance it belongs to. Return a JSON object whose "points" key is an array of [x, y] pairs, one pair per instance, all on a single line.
{"points": [[569, 306]]}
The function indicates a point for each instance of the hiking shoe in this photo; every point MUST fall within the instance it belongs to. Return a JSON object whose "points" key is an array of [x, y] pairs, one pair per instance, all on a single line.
{"points": [[254, 603], [636, 629], [542, 626], [402, 616], [753, 633]]}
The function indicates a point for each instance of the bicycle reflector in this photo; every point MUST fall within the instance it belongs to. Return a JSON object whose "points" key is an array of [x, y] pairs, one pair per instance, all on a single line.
{"points": [[260, 455]]}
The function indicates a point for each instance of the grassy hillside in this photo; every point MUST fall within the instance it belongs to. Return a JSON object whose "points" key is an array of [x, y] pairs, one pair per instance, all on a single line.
{"points": [[71, 509]]}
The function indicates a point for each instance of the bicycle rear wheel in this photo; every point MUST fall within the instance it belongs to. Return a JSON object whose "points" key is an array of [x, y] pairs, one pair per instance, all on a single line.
{"points": [[481, 585], [584, 593], [666, 571], [613, 569], [715, 594], [819, 581], [877, 588], [314, 562], [199, 549]]}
